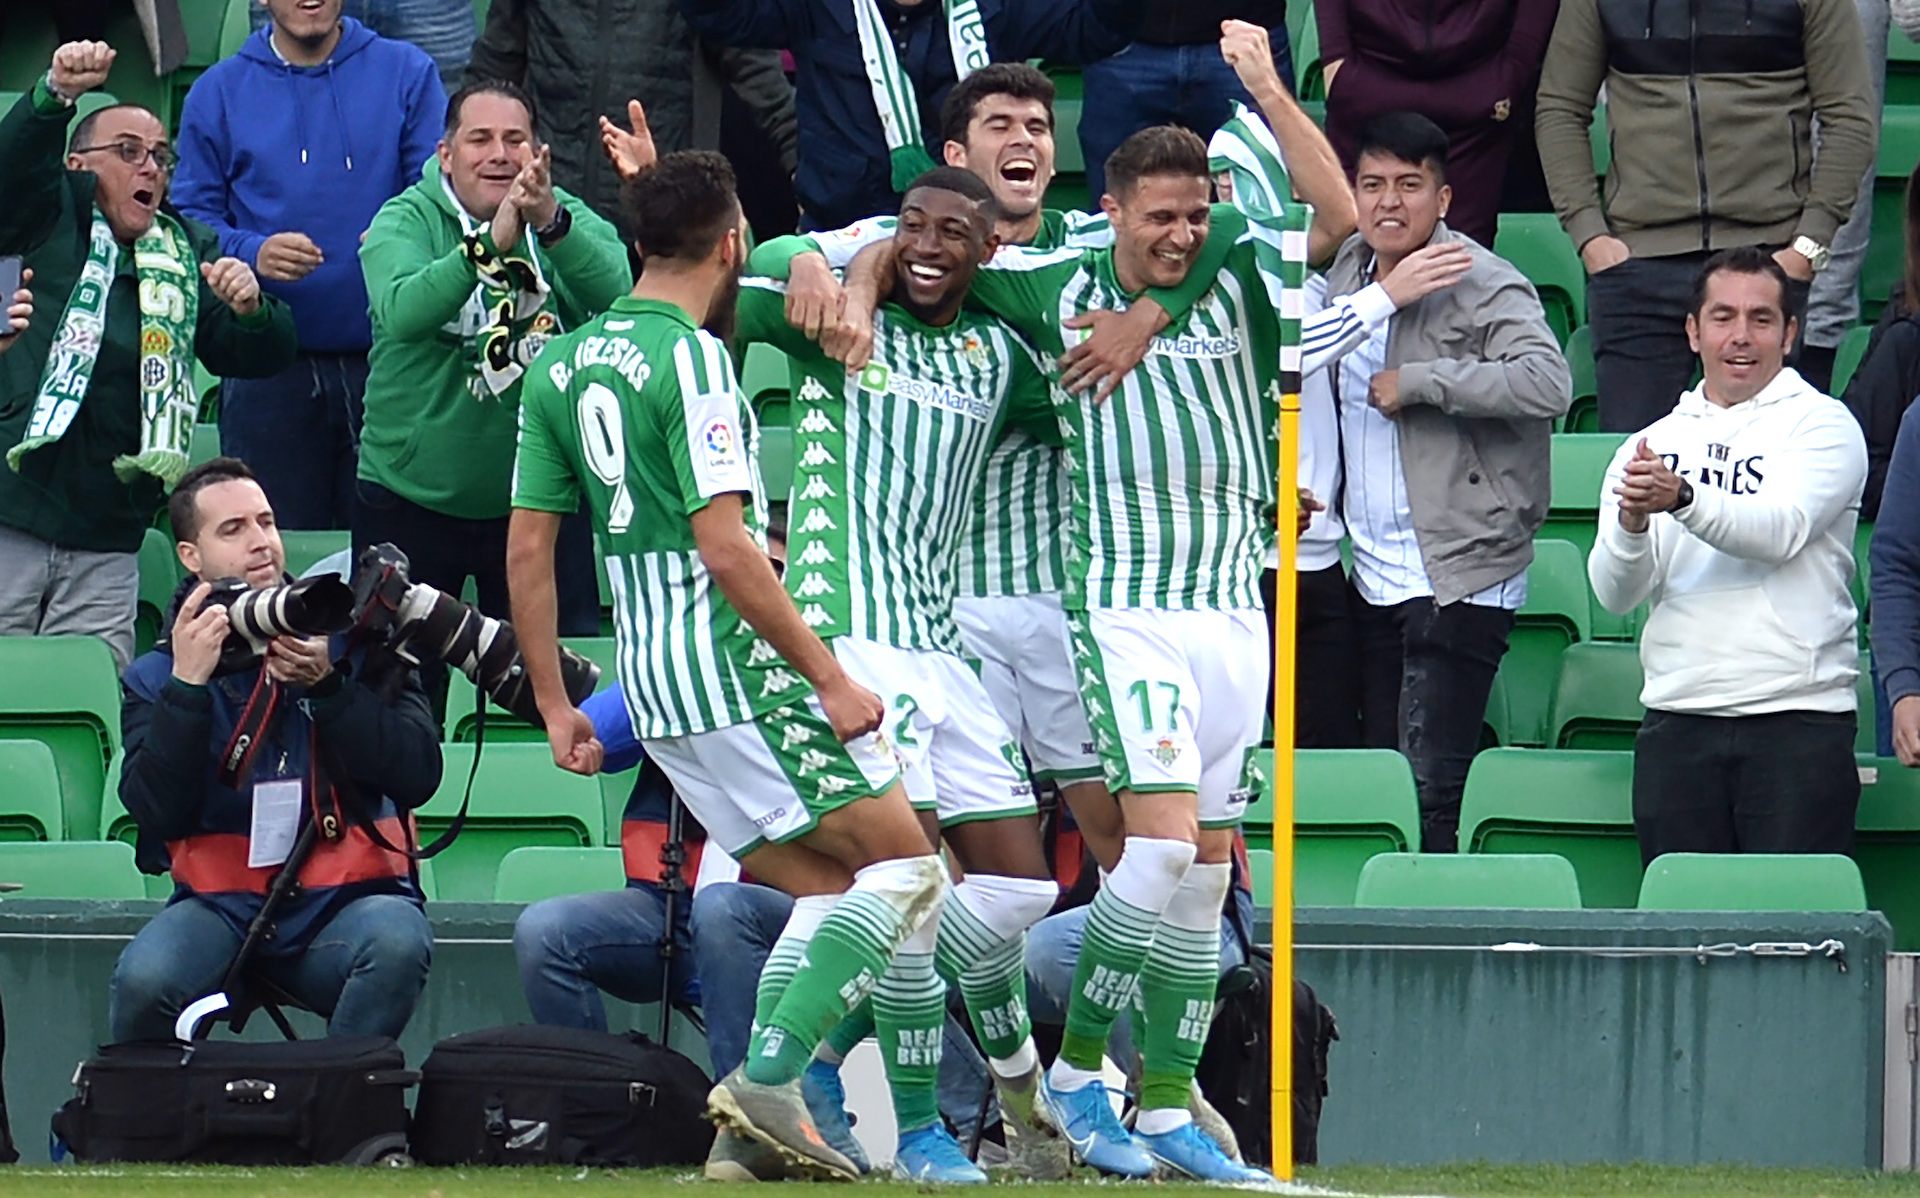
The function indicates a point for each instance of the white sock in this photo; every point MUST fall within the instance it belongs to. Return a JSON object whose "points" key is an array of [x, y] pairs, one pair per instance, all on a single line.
{"points": [[1065, 1078], [1162, 1120]]}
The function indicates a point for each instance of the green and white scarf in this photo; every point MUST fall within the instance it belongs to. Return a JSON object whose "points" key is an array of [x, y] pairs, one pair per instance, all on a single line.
{"points": [[893, 92], [169, 278], [510, 297], [1246, 150]]}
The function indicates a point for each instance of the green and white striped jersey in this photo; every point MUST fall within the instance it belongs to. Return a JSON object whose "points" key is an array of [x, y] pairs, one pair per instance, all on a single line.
{"points": [[1173, 477], [887, 464], [639, 410], [1016, 544]]}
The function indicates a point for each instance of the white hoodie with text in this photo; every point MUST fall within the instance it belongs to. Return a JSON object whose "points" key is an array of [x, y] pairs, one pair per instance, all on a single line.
{"points": [[1750, 609]]}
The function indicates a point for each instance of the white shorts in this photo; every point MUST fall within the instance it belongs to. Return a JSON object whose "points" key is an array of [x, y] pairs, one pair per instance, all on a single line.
{"points": [[771, 779], [1175, 699], [956, 755], [1026, 664]]}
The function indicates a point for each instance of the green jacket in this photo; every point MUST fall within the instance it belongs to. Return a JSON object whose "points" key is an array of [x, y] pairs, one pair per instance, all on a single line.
{"points": [[428, 437], [66, 493], [1710, 107]]}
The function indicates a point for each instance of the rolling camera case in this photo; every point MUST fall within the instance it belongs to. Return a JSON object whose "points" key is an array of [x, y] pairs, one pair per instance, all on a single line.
{"points": [[531, 1095], [340, 1100]]}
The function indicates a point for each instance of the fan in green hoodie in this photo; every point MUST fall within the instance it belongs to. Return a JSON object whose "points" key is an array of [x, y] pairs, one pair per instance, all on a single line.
{"points": [[469, 272]]}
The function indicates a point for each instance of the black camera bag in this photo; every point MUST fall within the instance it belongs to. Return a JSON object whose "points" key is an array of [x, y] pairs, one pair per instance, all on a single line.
{"points": [[531, 1095], [340, 1100]]}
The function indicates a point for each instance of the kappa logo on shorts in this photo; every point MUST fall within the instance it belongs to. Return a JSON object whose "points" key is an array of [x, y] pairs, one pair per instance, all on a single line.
{"points": [[829, 787], [811, 760], [794, 734], [778, 680], [761, 653], [1165, 751]]}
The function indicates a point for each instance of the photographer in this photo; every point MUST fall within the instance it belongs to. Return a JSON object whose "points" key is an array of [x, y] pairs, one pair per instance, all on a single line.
{"points": [[318, 731]]}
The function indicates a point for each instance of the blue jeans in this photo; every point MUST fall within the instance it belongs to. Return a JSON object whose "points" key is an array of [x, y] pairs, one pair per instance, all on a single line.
{"points": [[734, 927], [300, 432], [1053, 949], [445, 29], [1162, 85], [572, 947], [364, 970]]}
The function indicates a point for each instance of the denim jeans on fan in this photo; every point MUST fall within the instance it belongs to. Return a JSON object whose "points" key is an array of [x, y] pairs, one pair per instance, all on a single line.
{"points": [[1426, 671], [445, 29], [300, 432], [734, 927], [1053, 950], [364, 970], [1146, 85], [571, 948]]}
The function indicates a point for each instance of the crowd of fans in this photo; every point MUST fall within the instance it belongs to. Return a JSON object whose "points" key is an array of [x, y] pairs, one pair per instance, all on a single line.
{"points": [[373, 270]]}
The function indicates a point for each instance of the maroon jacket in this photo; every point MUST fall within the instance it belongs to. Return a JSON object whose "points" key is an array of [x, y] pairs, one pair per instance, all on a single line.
{"points": [[1453, 60]]}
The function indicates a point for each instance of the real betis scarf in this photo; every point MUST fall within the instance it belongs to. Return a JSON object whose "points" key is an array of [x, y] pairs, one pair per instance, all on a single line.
{"points": [[893, 92], [512, 294], [169, 278], [1246, 150]]}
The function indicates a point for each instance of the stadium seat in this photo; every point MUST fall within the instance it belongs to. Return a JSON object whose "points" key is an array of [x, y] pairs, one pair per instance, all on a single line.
{"points": [[1348, 805], [1577, 805], [1847, 358], [615, 789], [520, 798], [234, 27], [1495, 726], [116, 824], [1887, 845], [1596, 703], [64, 692], [304, 547], [159, 578], [528, 875], [776, 462], [1069, 101], [1536, 244], [1579, 466], [206, 444], [1752, 882], [74, 869], [1903, 69], [1260, 869], [1554, 616], [29, 792], [1862, 572], [1583, 416], [1533, 881], [764, 372], [1865, 729], [1309, 70]]}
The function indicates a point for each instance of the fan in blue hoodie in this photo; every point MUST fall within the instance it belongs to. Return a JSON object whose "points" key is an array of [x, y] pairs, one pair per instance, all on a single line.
{"points": [[287, 150]]}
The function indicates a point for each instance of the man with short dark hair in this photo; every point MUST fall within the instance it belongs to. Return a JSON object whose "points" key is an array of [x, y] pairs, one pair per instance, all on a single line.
{"points": [[1445, 414], [97, 403], [232, 748], [470, 272], [1735, 516], [287, 150]]}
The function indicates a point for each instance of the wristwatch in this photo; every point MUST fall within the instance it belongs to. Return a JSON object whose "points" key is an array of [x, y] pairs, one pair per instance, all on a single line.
{"points": [[1818, 256], [556, 228], [1684, 499], [56, 93]]}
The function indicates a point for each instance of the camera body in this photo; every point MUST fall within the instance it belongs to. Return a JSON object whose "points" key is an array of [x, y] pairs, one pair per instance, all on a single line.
{"points": [[306, 607]]}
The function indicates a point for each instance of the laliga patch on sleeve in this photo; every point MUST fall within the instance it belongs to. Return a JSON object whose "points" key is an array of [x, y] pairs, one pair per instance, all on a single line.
{"points": [[717, 445]]}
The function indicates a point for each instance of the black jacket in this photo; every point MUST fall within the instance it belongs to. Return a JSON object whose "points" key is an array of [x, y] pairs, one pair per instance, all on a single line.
{"points": [[1880, 391]]}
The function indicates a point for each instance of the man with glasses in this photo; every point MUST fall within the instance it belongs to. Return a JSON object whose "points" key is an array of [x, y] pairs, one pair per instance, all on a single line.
{"points": [[97, 402]]}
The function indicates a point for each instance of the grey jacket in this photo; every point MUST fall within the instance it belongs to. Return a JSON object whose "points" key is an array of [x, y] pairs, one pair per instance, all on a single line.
{"points": [[1481, 379]]}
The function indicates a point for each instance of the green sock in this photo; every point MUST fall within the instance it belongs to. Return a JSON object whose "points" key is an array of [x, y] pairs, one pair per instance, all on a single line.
{"points": [[848, 1033], [1177, 983], [990, 972], [785, 957], [841, 963], [910, 1011], [1116, 941]]}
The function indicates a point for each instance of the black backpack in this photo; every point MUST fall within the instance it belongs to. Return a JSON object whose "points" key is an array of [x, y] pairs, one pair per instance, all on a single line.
{"points": [[531, 1095], [340, 1100], [1236, 1067]]}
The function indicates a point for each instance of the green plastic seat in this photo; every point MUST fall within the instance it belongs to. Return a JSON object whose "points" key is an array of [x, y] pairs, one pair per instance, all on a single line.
{"points": [[29, 792], [64, 692], [1583, 415], [206, 444], [1865, 739], [528, 875], [159, 578], [1577, 805], [234, 27], [1579, 465], [1260, 871], [765, 370], [1532, 881], [1348, 805], [520, 798], [615, 790], [1847, 358], [776, 462], [462, 724], [1862, 572], [117, 824], [1555, 616], [1496, 727], [72, 869], [305, 546], [1536, 244], [1887, 845], [1753, 882], [1596, 703]]}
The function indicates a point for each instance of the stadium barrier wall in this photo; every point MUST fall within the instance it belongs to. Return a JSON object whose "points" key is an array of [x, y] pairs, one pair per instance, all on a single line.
{"points": [[1449, 1051]]}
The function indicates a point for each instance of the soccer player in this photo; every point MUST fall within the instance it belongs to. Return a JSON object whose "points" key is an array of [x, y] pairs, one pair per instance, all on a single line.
{"points": [[888, 460], [763, 733]]}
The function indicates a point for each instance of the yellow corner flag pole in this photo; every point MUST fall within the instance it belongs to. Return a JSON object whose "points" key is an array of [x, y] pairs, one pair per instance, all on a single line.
{"points": [[1297, 217]]}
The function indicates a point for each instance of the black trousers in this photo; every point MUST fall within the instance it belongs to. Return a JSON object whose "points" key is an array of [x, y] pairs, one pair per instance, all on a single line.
{"points": [[1779, 783], [1425, 674], [1326, 665], [445, 551], [1641, 358]]}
